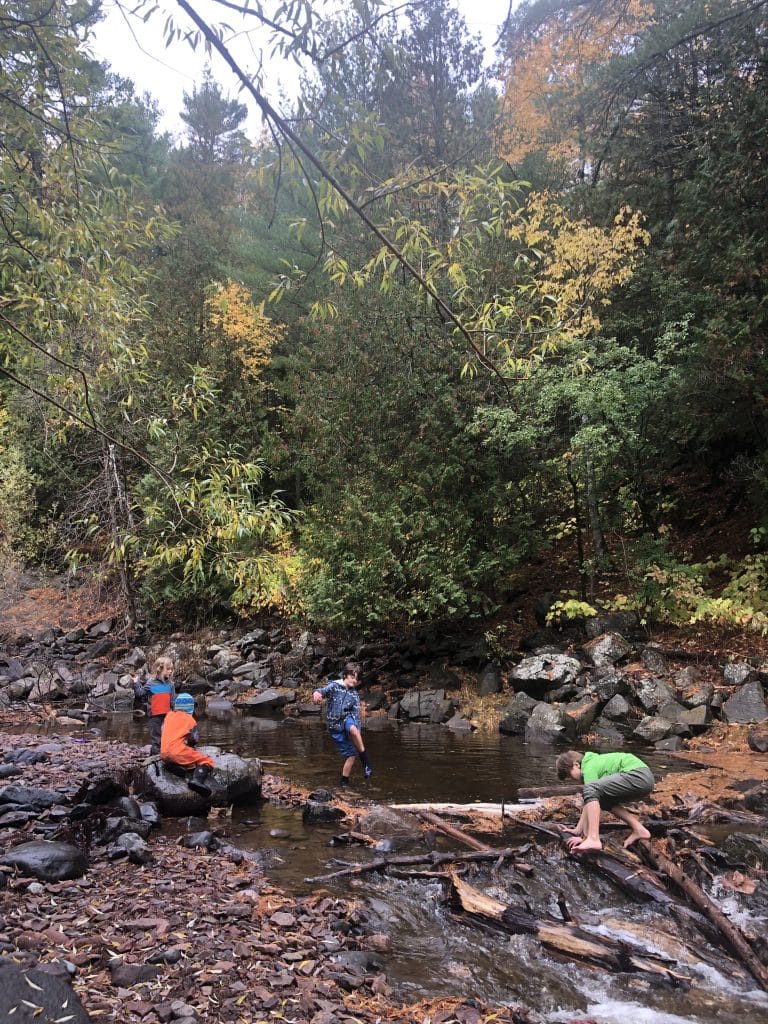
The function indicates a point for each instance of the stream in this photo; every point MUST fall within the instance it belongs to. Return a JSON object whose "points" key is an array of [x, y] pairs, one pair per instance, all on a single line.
{"points": [[435, 953]]}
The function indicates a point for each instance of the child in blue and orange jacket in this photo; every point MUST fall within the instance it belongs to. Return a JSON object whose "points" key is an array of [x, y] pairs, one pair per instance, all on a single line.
{"points": [[178, 742], [159, 692]]}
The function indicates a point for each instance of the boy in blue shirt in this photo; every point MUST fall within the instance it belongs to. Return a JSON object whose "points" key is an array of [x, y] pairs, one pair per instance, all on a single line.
{"points": [[344, 719]]}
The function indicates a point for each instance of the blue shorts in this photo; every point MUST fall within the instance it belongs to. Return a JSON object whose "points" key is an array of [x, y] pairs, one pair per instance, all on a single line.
{"points": [[341, 738]]}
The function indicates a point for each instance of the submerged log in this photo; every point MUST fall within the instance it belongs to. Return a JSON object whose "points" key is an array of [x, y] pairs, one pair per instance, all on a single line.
{"points": [[537, 792], [449, 830], [732, 936], [433, 858], [566, 939]]}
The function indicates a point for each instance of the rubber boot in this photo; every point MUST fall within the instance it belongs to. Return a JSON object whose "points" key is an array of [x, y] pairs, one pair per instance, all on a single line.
{"points": [[197, 782]]}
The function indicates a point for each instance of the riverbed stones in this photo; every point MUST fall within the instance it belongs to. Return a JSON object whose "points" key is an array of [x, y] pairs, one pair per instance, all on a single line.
{"points": [[32, 994], [544, 671], [516, 715], [747, 706], [47, 860], [607, 649]]}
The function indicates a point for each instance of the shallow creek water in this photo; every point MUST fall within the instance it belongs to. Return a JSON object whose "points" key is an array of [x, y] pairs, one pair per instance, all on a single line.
{"points": [[434, 953]]}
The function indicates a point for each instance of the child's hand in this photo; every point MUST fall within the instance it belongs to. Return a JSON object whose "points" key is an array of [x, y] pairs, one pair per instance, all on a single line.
{"points": [[317, 697]]}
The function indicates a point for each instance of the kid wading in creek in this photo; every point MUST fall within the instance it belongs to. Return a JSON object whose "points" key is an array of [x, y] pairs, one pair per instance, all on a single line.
{"points": [[344, 719], [610, 780], [158, 692]]}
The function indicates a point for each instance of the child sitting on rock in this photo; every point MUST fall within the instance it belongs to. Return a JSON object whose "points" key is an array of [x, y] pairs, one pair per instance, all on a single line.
{"points": [[610, 780], [178, 741]]}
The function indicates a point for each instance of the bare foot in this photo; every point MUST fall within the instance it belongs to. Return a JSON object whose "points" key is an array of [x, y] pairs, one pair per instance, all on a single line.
{"points": [[634, 836], [574, 841], [574, 829], [586, 844]]}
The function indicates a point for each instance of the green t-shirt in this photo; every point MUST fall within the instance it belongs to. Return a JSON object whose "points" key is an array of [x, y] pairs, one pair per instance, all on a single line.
{"points": [[597, 766]]}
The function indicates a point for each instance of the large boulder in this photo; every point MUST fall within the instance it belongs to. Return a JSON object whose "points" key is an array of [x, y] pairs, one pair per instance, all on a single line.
{"points": [[516, 715], [542, 672], [427, 704], [747, 706], [38, 994], [49, 861], [607, 649], [548, 722], [235, 779]]}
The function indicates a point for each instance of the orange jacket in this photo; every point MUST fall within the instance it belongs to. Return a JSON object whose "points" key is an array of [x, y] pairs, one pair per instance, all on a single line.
{"points": [[176, 741]]}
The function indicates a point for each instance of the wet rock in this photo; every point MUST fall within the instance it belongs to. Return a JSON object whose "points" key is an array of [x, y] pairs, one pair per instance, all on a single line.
{"points": [[758, 740], [580, 715], [616, 709], [9, 771], [745, 848], [546, 723], [626, 623], [28, 797], [171, 792], [124, 975], [692, 718], [46, 860], [671, 743], [737, 673], [542, 672], [316, 813], [132, 846], [200, 840], [516, 715], [382, 822], [653, 728], [458, 723], [607, 649], [606, 683], [653, 659], [653, 694], [268, 700], [116, 827], [424, 704], [746, 706], [30, 993]]}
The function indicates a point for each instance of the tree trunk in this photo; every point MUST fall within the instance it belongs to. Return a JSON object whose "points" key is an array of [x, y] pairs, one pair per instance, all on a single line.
{"points": [[121, 521]]}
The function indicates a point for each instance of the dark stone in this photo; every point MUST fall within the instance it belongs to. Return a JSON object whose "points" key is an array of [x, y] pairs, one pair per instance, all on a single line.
{"points": [[51, 992], [490, 679], [48, 861], [29, 796], [758, 740], [125, 975], [516, 715], [315, 813], [671, 743], [747, 705], [607, 649], [132, 846]]}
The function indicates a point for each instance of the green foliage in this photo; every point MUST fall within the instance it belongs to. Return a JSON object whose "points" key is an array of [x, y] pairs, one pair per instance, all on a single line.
{"points": [[722, 591], [213, 539]]}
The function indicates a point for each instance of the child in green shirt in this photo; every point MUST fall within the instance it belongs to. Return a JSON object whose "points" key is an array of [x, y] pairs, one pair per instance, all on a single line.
{"points": [[610, 780]]}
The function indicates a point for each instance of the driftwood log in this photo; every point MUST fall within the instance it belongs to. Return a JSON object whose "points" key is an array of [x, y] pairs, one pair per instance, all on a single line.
{"points": [[568, 940], [434, 858], [731, 935]]}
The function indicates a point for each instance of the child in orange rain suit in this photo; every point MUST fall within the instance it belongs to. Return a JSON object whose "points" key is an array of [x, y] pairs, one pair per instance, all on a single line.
{"points": [[178, 740]]}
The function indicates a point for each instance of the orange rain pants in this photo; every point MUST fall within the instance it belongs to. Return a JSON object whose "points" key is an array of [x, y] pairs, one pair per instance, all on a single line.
{"points": [[174, 741]]}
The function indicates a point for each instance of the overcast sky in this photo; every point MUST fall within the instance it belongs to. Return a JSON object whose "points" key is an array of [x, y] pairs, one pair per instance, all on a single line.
{"points": [[136, 50]]}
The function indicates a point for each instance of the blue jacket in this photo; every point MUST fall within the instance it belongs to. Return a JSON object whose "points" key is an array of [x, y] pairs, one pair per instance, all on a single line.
{"points": [[158, 694], [343, 701]]}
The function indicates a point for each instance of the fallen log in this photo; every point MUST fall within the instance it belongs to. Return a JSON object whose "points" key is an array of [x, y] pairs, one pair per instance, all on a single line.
{"points": [[434, 858], [449, 830], [732, 936], [566, 939], [629, 875], [537, 792], [492, 810]]}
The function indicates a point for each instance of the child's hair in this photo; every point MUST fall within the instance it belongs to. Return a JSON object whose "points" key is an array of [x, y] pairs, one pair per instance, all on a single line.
{"points": [[565, 761], [351, 669], [161, 663]]}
